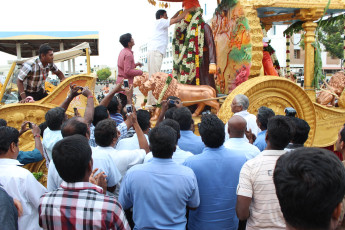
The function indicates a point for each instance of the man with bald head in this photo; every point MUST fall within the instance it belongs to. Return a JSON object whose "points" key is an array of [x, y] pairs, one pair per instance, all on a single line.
{"points": [[237, 125], [239, 107]]}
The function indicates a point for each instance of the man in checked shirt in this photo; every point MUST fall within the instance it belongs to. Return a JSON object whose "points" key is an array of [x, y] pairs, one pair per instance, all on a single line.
{"points": [[33, 74]]}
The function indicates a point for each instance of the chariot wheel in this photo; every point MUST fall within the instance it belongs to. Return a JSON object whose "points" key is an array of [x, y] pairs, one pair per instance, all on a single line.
{"points": [[276, 93]]}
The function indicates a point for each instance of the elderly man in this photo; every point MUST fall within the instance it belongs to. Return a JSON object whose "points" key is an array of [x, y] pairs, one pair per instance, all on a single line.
{"points": [[237, 126], [33, 74], [239, 107]]}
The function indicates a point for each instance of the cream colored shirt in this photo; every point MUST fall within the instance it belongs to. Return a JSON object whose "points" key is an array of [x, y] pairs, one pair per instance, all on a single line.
{"points": [[256, 182]]}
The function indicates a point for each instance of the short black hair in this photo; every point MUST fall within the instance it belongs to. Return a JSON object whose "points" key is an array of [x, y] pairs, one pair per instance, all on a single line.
{"points": [[264, 114], [74, 126], [278, 132], [302, 129], [71, 157], [173, 124], [125, 38], [184, 117], [3, 122], [162, 141], [8, 135], [170, 112], [101, 113], [160, 13], [55, 117], [44, 49], [42, 127], [212, 131], [105, 132], [113, 105], [342, 134], [143, 117], [310, 183]]}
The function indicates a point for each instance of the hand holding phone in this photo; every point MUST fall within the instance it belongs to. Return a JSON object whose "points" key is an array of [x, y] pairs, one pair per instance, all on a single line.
{"points": [[125, 83], [129, 109]]}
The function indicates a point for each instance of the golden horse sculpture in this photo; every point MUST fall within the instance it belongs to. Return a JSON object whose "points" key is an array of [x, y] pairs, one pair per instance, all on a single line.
{"points": [[187, 93]]}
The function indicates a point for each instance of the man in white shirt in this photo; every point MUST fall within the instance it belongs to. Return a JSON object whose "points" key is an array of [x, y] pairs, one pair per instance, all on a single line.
{"points": [[237, 126], [132, 143], [106, 135], [18, 182], [104, 162], [179, 156], [239, 107], [159, 42]]}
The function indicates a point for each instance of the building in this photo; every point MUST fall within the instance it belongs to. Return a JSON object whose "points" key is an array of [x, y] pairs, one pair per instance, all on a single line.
{"points": [[330, 65]]}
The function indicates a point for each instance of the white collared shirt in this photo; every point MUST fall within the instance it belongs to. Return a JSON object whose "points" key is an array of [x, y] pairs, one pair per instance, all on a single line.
{"points": [[131, 143], [101, 160], [50, 137], [23, 186], [179, 156], [159, 40]]}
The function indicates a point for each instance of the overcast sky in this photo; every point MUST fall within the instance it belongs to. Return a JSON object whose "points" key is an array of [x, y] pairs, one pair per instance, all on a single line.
{"points": [[110, 18]]}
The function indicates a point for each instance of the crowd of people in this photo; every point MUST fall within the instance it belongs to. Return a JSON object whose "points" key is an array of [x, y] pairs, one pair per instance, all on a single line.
{"points": [[111, 170]]}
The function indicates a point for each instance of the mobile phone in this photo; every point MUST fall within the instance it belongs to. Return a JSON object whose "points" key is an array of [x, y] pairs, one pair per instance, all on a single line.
{"points": [[125, 83], [75, 111], [30, 125], [129, 108], [172, 102]]}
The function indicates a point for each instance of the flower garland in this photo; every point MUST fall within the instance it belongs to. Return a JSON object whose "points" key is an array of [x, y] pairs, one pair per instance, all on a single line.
{"points": [[166, 86], [188, 45]]}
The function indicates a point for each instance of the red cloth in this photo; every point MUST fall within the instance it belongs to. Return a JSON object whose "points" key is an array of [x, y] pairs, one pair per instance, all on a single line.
{"points": [[338, 154], [268, 64], [187, 4], [126, 66]]}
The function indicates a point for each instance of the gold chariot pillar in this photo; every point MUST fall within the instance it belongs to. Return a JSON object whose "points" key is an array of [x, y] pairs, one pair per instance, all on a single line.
{"points": [[309, 26]]}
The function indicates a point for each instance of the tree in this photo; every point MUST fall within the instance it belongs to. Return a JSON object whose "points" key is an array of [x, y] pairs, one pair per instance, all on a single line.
{"points": [[103, 74], [330, 36]]}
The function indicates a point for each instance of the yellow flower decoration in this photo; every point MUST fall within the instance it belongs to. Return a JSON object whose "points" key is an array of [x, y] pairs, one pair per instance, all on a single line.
{"points": [[188, 17], [196, 60], [197, 81], [182, 37]]}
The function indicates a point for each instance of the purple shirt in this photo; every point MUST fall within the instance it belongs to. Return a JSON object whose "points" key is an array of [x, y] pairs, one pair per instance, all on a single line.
{"points": [[126, 66]]}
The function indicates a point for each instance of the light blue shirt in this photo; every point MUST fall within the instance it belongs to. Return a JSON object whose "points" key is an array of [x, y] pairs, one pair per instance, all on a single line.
{"points": [[190, 142], [159, 192], [240, 145], [260, 141], [179, 156], [217, 171]]}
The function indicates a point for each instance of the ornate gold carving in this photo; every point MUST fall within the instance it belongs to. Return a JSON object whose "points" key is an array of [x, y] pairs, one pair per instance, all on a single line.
{"points": [[335, 4], [276, 93], [278, 18]]}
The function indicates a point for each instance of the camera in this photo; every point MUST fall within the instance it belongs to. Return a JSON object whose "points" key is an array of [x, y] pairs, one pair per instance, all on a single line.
{"points": [[129, 108], [290, 112], [125, 83], [30, 125]]}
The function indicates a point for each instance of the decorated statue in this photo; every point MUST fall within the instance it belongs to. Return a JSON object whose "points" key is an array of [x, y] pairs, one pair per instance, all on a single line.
{"points": [[333, 91], [164, 85], [194, 52]]}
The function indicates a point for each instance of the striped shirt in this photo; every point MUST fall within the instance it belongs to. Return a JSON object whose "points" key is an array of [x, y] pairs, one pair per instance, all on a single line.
{"points": [[80, 206], [33, 75], [256, 182]]}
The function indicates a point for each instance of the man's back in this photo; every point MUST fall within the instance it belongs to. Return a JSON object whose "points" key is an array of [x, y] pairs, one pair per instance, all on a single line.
{"points": [[50, 137], [190, 142], [217, 171], [159, 192], [80, 206], [240, 145], [22, 185], [256, 182]]}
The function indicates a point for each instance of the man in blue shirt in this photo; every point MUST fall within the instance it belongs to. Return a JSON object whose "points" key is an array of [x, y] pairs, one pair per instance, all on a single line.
{"points": [[217, 170], [237, 125], [160, 190], [188, 141], [262, 117]]}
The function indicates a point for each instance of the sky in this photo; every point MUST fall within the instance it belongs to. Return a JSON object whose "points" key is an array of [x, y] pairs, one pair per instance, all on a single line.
{"points": [[111, 18]]}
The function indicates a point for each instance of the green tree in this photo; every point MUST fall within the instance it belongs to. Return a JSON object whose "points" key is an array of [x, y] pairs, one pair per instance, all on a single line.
{"points": [[330, 36], [103, 74]]}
